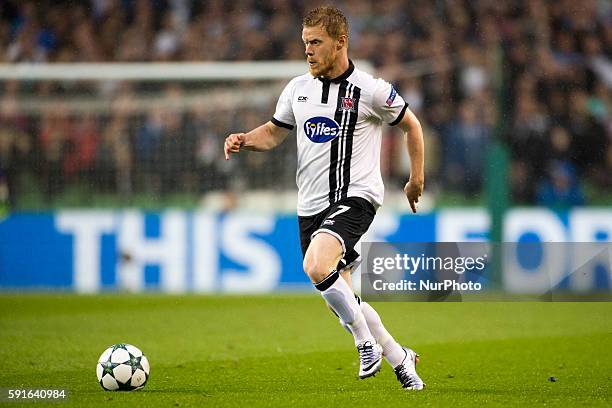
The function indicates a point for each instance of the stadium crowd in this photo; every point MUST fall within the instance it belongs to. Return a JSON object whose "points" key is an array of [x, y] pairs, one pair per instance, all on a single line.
{"points": [[443, 57]]}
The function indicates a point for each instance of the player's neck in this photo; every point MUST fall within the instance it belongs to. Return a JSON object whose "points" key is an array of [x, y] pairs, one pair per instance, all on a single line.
{"points": [[340, 68]]}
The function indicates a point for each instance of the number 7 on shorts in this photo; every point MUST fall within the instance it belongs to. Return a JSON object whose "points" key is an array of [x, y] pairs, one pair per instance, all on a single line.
{"points": [[341, 209]]}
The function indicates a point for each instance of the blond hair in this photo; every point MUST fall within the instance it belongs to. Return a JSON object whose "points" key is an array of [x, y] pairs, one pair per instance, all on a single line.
{"points": [[330, 18]]}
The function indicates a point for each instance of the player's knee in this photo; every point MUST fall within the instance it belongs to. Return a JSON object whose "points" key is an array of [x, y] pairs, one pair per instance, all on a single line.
{"points": [[309, 266], [315, 270], [312, 269]]}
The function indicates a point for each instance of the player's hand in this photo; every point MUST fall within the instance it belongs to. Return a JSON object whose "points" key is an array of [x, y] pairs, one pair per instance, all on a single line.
{"points": [[233, 143], [413, 190]]}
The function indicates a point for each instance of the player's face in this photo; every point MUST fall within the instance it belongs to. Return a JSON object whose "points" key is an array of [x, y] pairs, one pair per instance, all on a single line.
{"points": [[321, 51]]}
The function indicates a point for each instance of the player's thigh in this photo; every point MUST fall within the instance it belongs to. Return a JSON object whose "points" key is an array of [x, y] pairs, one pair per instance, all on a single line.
{"points": [[308, 225], [322, 256]]}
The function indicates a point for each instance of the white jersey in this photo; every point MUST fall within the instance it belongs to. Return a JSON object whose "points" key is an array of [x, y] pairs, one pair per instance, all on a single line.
{"points": [[339, 129]]}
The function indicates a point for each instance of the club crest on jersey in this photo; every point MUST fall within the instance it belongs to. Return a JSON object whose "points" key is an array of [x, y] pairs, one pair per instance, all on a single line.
{"points": [[320, 129], [347, 104]]}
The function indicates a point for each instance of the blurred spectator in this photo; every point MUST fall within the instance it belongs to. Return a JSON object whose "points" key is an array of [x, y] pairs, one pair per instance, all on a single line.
{"points": [[589, 139], [174, 156], [113, 163], [466, 142], [528, 144], [166, 41], [54, 131], [560, 188], [16, 150], [602, 177], [146, 145], [3, 192], [80, 149], [212, 172]]}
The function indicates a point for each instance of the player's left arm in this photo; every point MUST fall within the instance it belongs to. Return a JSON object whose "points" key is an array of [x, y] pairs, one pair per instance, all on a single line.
{"points": [[413, 136]]}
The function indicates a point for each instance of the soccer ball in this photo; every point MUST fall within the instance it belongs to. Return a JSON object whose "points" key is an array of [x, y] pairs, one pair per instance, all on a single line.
{"points": [[122, 367]]}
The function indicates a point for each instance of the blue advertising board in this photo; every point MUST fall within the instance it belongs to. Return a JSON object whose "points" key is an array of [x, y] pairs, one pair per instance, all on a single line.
{"points": [[89, 251]]}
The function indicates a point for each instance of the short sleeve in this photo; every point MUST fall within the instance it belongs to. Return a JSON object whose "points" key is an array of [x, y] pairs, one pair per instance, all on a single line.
{"points": [[387, 104], [283, 116]]}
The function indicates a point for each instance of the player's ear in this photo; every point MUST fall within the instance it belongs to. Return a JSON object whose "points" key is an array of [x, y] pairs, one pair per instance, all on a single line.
{"points": [[341, 42]]}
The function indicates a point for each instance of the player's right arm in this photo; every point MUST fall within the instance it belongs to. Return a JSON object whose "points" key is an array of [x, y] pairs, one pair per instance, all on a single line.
{"points": [[265, 137]]}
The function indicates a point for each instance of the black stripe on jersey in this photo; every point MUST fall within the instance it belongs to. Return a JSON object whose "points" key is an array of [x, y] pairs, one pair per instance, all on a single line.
{"points": [[325, 91], [400, 116], [281, 124], [346, 172], [334, 150], [342, 148]]}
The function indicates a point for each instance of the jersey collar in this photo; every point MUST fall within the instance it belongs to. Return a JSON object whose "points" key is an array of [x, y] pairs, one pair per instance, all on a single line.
{"points": [[342, 76]]}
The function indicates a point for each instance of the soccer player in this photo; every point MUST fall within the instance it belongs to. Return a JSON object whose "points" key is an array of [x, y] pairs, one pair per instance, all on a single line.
{"points": [[339, 112]]}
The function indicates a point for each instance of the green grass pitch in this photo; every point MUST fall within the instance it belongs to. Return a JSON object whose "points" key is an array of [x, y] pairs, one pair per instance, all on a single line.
{"points": [[288, 350]]}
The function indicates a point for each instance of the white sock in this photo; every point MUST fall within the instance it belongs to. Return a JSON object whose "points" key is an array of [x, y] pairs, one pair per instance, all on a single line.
{"points": [[346, 327], [341, 299], [394, 353]]}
